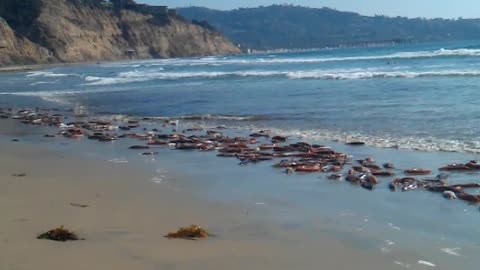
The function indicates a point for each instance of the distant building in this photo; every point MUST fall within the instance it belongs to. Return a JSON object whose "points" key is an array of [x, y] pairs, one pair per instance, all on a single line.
{"points": [[80, 110], [159, 10], [123, 4], [131, 53], [172, 12], [3, 44]]}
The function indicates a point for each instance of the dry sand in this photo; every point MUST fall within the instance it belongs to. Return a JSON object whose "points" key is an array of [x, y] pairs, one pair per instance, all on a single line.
{"points": [[128, 215]]}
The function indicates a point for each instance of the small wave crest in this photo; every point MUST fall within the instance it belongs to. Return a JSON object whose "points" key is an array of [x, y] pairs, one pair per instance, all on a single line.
{"points": [[452, 251], [326, 75], [142, 76], [41, 82], [48, 74], [422, 262], [282, 59], [400, 55], [211, 117]]}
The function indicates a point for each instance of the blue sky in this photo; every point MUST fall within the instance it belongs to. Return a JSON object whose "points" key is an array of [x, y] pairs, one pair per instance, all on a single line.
{"points": [[409, 8]]}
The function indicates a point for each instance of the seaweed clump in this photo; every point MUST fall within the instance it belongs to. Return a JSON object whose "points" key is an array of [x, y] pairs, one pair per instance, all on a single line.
{"points": [[193, 232], [59, 234]]}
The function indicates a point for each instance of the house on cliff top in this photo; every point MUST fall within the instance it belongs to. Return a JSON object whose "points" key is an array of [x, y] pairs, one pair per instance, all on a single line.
{"points": [[158, 11]]}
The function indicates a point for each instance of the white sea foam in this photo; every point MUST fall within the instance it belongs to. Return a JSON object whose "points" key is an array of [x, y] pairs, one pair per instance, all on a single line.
{"points": [[326, 75], [426, 263], [427, 144], [393, 226], [400, 55], [250, 123], [42, 82], [157, 179], [118, 160], [161, 171], [111, 80], [451, 251], [48, 74], [405, 265], [194, 117], [385, 250]]}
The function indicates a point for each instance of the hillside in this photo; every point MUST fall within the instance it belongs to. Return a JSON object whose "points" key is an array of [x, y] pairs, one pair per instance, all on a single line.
{"points": [[48, 31], [287, 26]]}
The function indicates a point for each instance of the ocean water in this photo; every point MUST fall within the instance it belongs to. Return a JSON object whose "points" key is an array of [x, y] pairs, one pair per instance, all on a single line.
{"points": [[415, 97], [414, 105]]}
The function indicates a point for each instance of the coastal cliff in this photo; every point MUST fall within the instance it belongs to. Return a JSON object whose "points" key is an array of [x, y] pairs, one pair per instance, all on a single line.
{"points": [[50, 31], [15, 49]]}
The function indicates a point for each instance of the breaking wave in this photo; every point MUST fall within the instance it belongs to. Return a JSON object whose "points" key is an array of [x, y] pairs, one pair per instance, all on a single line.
{"points": [[340, 74], [425, 144], [140, 76], [400, 55], [281, 59]]}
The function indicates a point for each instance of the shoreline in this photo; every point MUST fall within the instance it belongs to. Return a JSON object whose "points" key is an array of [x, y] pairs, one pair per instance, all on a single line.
{"points": [[34, 67], [252, 232]]}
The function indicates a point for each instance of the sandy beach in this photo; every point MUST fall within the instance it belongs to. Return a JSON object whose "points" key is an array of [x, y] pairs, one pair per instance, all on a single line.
{"points": [[153, 136], [128, 215]]}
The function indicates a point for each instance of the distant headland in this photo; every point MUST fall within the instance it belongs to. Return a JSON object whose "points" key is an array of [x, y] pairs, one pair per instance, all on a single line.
{"points": [[64, 31], [296, 27]]}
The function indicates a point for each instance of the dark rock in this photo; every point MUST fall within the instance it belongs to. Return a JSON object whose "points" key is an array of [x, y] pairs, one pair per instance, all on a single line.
{"points": [[355, 143], [139, 147]]}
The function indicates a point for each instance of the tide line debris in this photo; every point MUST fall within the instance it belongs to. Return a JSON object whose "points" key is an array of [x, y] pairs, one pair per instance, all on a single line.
{"points": [[79, 205], [59, 234], [258, 147], [193, 232]]}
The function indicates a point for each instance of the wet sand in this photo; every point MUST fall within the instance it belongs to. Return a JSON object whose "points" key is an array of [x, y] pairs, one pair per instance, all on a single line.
{"points": [[24, 68], [128, 214], [35, 67]]}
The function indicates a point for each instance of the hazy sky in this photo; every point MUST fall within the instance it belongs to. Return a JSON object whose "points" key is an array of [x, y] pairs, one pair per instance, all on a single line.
{"points": [[409, 8]]}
